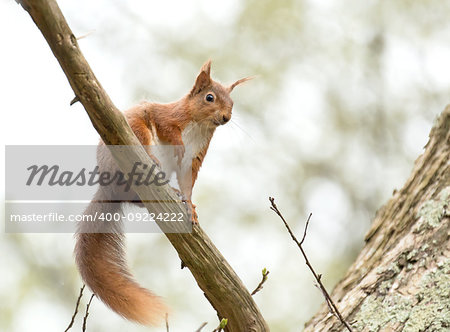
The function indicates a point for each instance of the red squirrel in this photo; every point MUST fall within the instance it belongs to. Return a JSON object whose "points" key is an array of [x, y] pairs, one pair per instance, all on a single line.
{"points": [[188, 123]]}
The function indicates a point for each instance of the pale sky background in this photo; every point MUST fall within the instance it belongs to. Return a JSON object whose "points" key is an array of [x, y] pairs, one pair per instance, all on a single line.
{"points": [[244, 164]]}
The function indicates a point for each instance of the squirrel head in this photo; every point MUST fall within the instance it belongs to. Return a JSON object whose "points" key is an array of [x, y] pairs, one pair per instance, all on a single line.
{"points": [[210, 101]]}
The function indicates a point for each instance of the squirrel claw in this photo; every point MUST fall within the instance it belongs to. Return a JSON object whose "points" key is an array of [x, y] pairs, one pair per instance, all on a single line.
{"points": [[194, 218]]}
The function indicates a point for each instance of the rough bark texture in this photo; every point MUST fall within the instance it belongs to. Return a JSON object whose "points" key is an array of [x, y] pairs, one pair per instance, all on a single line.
{"points": [[401, 279], [215, 277]]}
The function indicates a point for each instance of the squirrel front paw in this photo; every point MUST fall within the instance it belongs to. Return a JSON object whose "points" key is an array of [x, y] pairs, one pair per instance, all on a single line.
{"points": [[155, 160], [179, 153], [192, 214], [190, 207]]}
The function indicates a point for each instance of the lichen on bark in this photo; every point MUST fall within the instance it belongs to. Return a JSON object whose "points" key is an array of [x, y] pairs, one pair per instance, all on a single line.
{"points": [[432, 211], [426, 310], [401, 279], [407, 303]]}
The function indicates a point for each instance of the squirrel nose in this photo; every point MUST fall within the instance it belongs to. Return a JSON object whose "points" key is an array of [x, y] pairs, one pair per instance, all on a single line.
{"points": [[225, 119]]}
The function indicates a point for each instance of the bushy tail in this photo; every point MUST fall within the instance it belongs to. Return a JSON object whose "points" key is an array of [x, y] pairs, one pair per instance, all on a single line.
{"points": [[101, 261]]}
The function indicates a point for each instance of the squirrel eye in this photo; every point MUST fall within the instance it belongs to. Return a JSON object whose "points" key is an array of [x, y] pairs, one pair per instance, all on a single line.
{"points": [[209, 97]]}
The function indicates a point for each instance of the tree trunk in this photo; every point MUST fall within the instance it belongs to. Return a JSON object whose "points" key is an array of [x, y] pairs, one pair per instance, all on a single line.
{"points": [[401, 279]]}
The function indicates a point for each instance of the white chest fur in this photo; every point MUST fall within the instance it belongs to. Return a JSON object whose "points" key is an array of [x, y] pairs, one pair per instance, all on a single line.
{"points": [[195, 138]]}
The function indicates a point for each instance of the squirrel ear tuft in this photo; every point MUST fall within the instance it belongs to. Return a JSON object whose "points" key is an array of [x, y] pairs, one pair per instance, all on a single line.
{"points": [[206, 68], [242, 80], [203, 79]]}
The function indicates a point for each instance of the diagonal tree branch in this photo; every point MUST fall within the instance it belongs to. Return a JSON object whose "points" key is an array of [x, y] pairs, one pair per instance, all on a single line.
{"points": [[220, 284]]}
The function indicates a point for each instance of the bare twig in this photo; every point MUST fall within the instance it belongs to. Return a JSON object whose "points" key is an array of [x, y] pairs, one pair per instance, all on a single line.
{"points": [[87, 313], [201, 327], [167, 322], [74, 100], [332, 307], [306, 228], [265, 273], [86, 35], [76, 309]]}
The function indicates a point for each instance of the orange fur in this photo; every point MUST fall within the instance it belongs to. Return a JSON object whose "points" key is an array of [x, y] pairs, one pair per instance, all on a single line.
{"points": [[188, 123]]}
